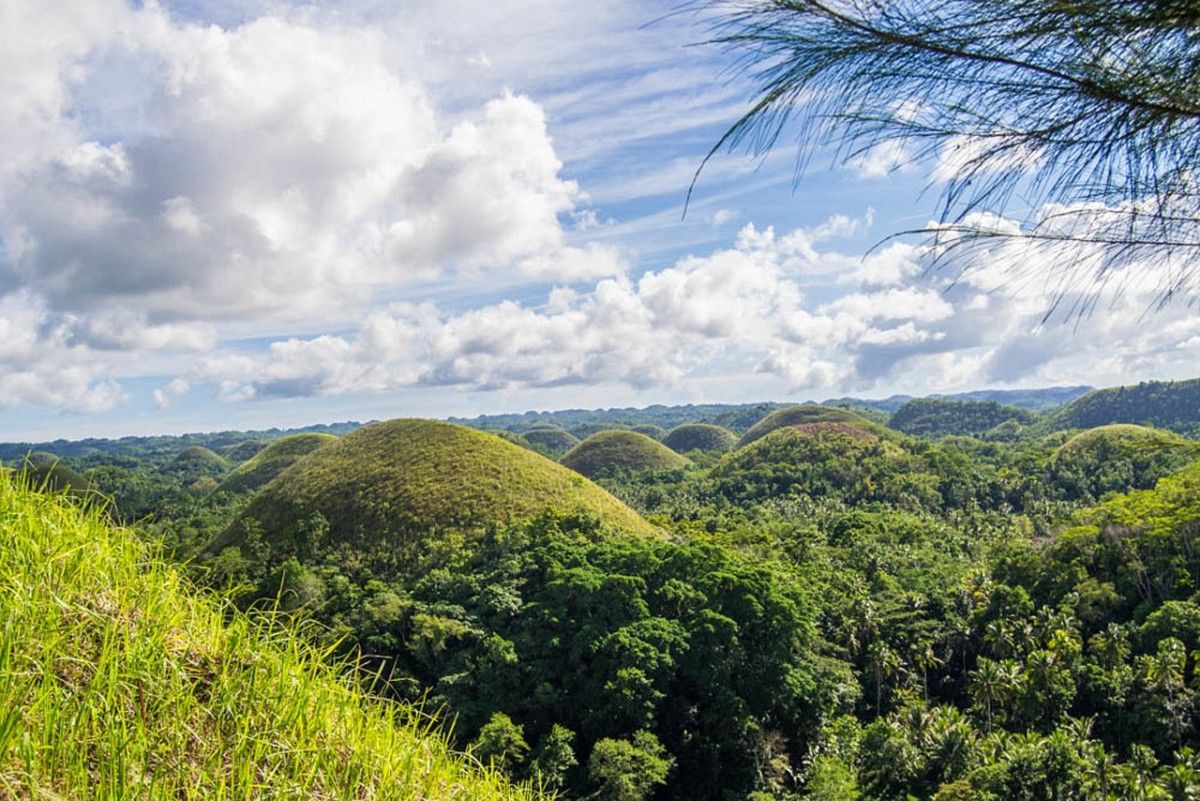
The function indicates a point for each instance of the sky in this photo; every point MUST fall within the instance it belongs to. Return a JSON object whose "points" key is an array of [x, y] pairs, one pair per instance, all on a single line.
{"points": [[231, 215]]}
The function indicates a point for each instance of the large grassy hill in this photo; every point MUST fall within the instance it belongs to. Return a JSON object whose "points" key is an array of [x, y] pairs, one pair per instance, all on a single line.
{"points": [[611, 452], [384, 483], [810, 416], [119, 681], [273, 460]]}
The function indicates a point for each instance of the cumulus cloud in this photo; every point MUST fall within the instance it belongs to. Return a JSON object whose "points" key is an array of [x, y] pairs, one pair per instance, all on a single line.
{"points": [[161, 178], [755, 306], [170, 393]]}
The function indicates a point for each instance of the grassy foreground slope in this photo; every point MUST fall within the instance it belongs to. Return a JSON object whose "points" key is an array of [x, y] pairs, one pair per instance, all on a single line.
{"points": [[389, 480], [117, 680]]}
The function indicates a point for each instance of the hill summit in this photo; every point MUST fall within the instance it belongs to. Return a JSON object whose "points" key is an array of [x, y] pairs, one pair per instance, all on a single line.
{"points": [[621, 452], [389, 481], [814, 419]]}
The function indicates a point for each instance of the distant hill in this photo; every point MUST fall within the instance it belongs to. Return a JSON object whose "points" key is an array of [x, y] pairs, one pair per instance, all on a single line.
{"points": [[808, 416], [377, 488], [273, 460], [699, 437], [164, 446], [1032, 399], [1117, 457], [611, 452], [554, 439], [1163, 404], [735, 416], [119, 681], [939, 417]]}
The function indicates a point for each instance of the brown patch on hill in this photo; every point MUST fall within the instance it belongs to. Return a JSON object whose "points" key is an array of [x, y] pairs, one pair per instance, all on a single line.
{"points": [[845, 429]]}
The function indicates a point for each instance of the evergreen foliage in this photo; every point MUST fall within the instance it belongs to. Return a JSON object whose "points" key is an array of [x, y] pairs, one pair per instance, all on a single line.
{"points": [[934, 417]]}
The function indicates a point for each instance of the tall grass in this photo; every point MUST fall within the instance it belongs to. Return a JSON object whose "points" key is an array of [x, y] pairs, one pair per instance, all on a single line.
{"points": [[117, 680]]}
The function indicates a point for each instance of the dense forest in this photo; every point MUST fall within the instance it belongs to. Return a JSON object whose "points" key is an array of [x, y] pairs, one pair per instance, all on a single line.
{"points": [[963, 600]]}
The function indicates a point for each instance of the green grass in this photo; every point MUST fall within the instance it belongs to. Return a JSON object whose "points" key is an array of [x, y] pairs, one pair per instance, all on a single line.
{"points": [[389, 480], [273, 460], [700, 437], [117, 680], [610, 452], [808, 415]]}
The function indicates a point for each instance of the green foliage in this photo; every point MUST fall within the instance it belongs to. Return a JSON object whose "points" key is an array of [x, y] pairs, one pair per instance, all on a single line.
{"points": [[628, 770], [117, 680], [699, 437], [809, 416], [501, 743], [613, 452], [1165, 404], [938, 417], [273, 460], [1117, 457]]}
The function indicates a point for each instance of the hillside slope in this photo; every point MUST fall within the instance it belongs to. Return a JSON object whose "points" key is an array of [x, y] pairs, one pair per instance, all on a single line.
{"points": [[611, 452], [273, 460], [117, 680], [384, 483]]}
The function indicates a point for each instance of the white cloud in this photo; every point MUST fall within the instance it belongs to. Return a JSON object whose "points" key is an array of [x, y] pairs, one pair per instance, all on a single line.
{"points": [[752, 306], [170, 393], [882, 160], [162, 179]]}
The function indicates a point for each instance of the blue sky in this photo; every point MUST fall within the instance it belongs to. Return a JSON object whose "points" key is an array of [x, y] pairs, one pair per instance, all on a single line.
{"points": [[245, 215]]}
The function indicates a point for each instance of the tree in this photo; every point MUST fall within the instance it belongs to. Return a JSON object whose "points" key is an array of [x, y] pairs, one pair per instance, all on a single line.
{"points": [[628, 770], [555, 756], [501, 743], [1089, 106]]}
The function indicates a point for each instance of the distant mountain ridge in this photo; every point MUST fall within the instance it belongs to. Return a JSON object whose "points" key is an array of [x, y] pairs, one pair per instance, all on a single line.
{"points": [[1164, 404], [1037, 400]]}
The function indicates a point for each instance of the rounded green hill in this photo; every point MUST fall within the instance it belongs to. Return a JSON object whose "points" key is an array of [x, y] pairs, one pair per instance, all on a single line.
{"points": [[1120, 437], [621, 451], [650, 430], [387, 482], [553, 439], [814, 419], [47, 470], [273, 460], [700, 437], [1114, 457], [241, 451], [200, 457]]}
